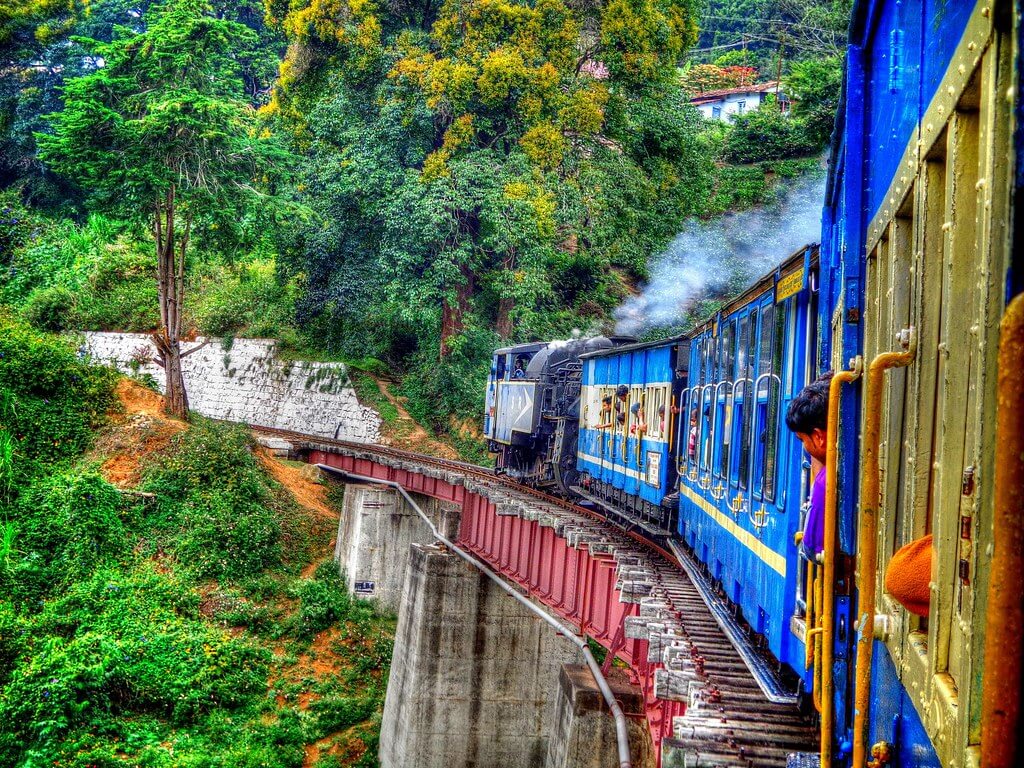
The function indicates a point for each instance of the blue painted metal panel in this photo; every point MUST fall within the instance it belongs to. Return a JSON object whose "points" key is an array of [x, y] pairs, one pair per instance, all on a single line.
{"points": [[893, 717], [893, 89]]}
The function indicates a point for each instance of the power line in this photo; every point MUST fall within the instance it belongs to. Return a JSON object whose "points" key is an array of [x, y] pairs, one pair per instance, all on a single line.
{"points": [[747, 20]]}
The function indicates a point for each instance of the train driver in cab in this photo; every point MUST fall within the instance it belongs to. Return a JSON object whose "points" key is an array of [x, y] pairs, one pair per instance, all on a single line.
{"points": [[807, 417]]}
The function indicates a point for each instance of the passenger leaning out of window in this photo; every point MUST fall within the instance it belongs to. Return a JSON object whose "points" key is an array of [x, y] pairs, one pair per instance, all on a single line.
{"points": [[807, 417]]}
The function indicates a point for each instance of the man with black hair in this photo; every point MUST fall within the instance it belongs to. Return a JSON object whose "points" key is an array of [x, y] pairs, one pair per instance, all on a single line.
{"points": [[621, 393], [807, 417]]}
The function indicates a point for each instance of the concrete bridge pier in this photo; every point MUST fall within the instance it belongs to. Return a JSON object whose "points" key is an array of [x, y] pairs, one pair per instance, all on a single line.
{"points": [[376, 529], [477, 680], [583, 732], [474, 676]]}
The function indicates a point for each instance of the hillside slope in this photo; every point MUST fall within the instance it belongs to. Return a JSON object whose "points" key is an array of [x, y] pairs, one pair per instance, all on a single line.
{"points": [[166, 591]]}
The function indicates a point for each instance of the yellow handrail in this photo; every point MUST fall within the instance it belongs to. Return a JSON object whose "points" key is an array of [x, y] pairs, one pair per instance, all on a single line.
{"points": [[811, 620], [1004, 625], [669, 420], [826, 606], [870, 501]]}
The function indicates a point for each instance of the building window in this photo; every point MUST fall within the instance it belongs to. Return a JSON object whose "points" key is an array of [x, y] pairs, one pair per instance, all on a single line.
{"points": [[716, 113], [741, 107]]}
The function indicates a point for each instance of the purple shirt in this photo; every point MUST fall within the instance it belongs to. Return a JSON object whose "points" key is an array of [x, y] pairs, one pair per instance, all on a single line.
{"points": [[814, 528]]}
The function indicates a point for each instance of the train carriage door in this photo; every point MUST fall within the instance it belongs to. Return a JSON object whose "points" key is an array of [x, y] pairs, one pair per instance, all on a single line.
{"points": [[947, 232]]}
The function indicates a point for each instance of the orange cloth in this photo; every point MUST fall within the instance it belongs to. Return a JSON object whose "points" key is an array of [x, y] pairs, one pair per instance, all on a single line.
{"points": [[908, 575]]}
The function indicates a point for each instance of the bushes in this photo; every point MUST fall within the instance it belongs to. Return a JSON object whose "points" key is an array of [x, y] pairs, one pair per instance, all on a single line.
{"points": [[65, 526], [217, 509], [110, 653], [246, 299], [767, 134], [119, 643], [50, 400]]}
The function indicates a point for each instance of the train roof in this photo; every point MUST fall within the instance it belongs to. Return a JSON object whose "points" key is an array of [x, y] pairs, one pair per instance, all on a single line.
{"points": [[532, 346], [634, 347], [760, 286]]}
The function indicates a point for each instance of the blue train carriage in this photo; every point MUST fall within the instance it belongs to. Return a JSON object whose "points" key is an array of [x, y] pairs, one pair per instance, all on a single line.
{"points": [[628, 432], [742, 474], [918, 260]]}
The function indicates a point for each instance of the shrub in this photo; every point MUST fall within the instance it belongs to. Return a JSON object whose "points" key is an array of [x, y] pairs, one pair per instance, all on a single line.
{"points": [[219, 511], [67, 525], [117, 644], [50, 309], [322, 601], [120, 292], [50, 399], [766, 134], [247, 299]]}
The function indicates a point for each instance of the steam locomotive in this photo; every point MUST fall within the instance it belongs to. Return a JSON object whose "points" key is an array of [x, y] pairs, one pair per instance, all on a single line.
{"points": [[915, 297]]}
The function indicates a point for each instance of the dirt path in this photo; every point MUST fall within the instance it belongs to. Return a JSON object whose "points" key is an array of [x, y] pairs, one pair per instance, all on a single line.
{"points": [[139, 430], [407, 433]]}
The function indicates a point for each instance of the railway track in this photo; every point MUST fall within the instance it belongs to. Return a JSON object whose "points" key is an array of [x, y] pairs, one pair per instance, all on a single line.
{"points": [[732, 718]]}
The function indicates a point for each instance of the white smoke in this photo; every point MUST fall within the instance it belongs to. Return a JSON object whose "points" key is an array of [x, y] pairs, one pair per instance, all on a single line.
{"points": [[723, 256]]}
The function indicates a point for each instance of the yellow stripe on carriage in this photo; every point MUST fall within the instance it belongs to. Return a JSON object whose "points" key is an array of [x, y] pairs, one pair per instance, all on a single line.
{"points": [[762, 551]]}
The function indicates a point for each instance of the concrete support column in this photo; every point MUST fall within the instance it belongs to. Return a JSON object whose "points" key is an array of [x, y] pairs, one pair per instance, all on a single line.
{"points": [[375, 531], [583, 734], [474, 676]]}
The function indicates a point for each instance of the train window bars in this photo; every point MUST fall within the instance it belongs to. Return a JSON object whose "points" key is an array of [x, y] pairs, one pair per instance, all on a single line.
{"points": [[722, 411], [766, 396], [657, 399]]}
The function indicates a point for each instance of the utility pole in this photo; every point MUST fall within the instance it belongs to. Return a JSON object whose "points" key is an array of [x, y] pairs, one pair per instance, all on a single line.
{"points": [[778, 70]]}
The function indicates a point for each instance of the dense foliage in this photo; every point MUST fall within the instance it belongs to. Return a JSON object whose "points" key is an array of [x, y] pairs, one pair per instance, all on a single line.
{"points": [[471, 172], [487, 180], [116, 647], [43, 44]]}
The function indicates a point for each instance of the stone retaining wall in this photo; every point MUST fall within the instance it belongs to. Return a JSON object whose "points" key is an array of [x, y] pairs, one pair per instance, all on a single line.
{"points": [[245, 380]]}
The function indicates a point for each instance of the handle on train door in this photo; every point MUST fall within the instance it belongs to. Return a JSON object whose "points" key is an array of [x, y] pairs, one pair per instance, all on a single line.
{"points": [[826, 607], [870, 496]]}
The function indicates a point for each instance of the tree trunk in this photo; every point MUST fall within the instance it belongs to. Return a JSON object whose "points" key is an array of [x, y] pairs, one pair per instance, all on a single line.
{"points": [[176, 399], [453, 312], [504, 324], [170, 253]]}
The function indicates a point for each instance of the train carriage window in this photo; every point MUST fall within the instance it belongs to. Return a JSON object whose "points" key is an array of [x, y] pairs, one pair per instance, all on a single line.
{"points": [[766, 396], [748, 347], [636, 421], [771, 446], [597, 414], [657, 411], [706, 422], [722, 414], [709, 366]]}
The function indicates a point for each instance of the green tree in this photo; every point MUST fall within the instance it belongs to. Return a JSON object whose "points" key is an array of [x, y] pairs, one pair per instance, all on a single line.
{"points": [[39, 52], [484, 167], [766, 134], [163, 133], [814, 85]]}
